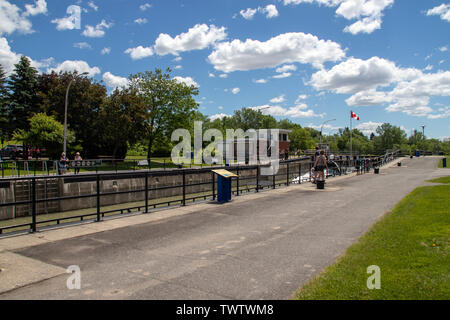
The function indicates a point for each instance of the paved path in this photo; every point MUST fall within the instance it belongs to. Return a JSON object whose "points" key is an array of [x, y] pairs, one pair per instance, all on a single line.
{"points": [[260, 246]]}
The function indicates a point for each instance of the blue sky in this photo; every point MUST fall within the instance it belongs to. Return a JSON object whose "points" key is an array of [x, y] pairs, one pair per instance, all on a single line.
{"points": [[306, 60]]}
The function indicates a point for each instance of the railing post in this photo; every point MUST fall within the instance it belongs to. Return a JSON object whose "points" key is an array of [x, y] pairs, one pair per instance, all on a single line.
{"points": [[33, 205], [237, 181], [273, 177], [146, 192], [257, 178], [299, 173], [184, 187], [98, 198], [213, 178], [287, 173], [310, 167]]}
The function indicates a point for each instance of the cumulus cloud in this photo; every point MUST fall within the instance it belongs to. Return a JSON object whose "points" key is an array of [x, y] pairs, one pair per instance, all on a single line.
{"points": [[443, 49], [298, 111], [218, 116], [98, 31], [106, 50], [270, 11], [443, 11], [406, 90], [12, 18], [187, 80], [92, 5], [82, 45], [139, 52], [368, 127], [75, 65], [279, 99], [69, 22], [113, 81], [8, 58], [367, 12], [284, 48], [145, 6], [198, 37], [141, 21], [235, 90], [282, 75], [260, 81]]}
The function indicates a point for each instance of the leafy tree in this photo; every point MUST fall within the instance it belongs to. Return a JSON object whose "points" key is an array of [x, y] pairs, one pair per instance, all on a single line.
{"points": [[121, 121], [86, 98], [389, 137], [22, 94], [45, 132], [4, 123], [169, 103]]}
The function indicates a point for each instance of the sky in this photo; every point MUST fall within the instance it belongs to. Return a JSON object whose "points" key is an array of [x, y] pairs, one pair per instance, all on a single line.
{"points": [[310, 61]]}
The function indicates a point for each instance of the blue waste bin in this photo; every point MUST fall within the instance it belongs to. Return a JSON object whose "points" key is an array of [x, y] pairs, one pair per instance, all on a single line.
{"points": [[444, 162], [223, 189], [417, 153]]}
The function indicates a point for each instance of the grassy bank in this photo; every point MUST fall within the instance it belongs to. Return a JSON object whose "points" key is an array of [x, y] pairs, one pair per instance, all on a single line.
{"points": [[411, 247]]}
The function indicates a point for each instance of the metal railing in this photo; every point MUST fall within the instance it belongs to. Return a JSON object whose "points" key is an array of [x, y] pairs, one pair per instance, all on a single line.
{"points": [[249, 179]]}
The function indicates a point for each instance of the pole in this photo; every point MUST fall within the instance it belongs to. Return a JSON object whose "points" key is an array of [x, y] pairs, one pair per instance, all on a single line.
{"points": [[351, 146], [65, 115]]}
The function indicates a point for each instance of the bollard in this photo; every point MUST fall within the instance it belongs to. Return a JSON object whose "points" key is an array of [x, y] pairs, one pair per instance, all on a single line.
{"points": [[376, 170], [320, 184], [399, 164]]}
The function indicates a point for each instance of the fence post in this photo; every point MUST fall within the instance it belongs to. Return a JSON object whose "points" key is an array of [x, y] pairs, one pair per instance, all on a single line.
{"points": [[287, 173], [98, 197], [257, 178], [310, 167], [237, 181], [146, 192], [213, 178], [299, 173], [273, 177], [184, 187], [33, 205]]}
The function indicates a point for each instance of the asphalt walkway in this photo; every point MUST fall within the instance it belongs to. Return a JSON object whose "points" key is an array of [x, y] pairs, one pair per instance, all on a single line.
{"points": [[259, 246]]}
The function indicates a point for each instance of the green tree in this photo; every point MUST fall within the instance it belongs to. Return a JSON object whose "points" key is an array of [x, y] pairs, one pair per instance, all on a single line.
{"points": [[22, 94], [121, 121], [4, 123], [45, 132], [389, 137], [169, 103]]}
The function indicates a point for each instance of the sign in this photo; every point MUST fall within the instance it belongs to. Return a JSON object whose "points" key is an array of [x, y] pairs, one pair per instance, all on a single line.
{"points": [[224, 173]]}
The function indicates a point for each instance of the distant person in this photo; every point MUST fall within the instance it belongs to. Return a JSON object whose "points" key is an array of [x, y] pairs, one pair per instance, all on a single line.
{"points": [[78, 160], [62, 164], [320, 165], [314, 169]]}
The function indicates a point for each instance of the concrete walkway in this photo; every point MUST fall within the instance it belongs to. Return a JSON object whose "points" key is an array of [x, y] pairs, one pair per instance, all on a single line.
{"points": [[259, 246]]}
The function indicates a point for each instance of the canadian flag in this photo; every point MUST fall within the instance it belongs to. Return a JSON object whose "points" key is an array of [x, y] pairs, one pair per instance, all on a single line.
{"points": [[354, 115]]}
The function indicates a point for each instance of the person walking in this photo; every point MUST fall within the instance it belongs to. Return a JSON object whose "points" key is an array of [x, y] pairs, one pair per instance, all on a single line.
{"points": [[314, 169], [320, 165], [78, 160]]}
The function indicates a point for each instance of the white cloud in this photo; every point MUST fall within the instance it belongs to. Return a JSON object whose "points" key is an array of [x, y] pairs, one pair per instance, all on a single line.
{"points": [[40, 7], [443, 113], [187, 80], [367, 12], [407, 90], [68, 22], [270, 11], [178, 67], [139, 52], [82, 45], [145, 6], [283, 75], [11, 18], [260, 81], [211, 75], [97, 31], [235, 90], [298, 111], [92, 5], [141, 21], [279, 99], [443, 11], [218, 116], [428, 67], [286, 67], [106, 50], [443, 49], [198, 37], [8, 58], [368, 127], [113, 81], [223, 75], [177, 59], [284, 48], [75, 65]]}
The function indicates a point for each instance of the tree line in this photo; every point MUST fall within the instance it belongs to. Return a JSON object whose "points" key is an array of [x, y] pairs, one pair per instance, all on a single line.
{"points": [[143, 115]]}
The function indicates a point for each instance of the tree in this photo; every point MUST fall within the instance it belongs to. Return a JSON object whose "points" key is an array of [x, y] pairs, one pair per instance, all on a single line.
{"points": [[22, 94], [45, 132], [389, 137], [85, 100], [121, 121], [169, 103], [4, 123]]}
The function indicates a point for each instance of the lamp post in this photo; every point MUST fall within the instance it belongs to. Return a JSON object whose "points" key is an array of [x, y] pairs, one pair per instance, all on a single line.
{"points": [[423, 138], [65, 108], [321, 127]]}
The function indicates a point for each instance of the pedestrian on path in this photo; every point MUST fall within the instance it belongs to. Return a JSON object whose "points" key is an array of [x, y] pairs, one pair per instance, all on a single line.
{"points": [[320, 165], [78, 160]]}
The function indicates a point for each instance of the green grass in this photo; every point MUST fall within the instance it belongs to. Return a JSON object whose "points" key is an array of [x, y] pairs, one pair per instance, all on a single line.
{"points": [[440, 165], [440, 180], [411, 247]]}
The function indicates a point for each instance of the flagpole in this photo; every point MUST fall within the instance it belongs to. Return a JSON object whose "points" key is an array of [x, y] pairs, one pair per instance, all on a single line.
{"points": [[351, 147]]}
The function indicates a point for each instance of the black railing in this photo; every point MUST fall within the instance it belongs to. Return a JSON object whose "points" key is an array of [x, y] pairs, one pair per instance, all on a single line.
{"points": [[249, 179]]}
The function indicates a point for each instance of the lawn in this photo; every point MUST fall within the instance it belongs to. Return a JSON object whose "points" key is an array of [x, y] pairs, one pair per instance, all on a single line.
{"points": [[410, 245], [441, 180]]}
